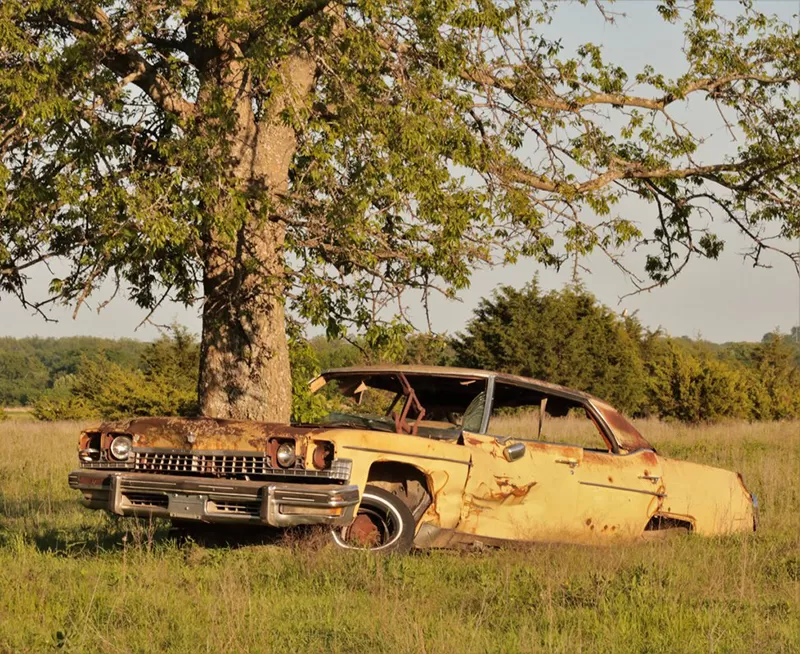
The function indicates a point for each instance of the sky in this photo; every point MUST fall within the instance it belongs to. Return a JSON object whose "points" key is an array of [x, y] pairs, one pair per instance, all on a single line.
{"points": [[723, 300]]}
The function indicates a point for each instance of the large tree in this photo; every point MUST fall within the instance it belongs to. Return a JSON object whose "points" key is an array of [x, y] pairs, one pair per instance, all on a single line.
{"points": [[326, 155]]}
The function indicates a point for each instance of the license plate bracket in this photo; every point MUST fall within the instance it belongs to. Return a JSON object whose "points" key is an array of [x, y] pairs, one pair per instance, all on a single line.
{"points": [[187, 506]]}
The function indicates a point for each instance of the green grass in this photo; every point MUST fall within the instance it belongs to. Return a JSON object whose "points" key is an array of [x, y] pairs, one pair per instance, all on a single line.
{"points": [[80, 581]]}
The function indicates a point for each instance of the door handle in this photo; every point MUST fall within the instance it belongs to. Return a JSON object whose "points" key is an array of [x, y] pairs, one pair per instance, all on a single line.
{"points": [[570, 461], [652, 478]]}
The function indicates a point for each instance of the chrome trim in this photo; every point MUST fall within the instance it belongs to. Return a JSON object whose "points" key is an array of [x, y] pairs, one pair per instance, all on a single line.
{"points": [[514, 452], [242, 464], [623, 488], [571, 461], [280, 497], [202, 463], [115, 495], [229, 501], [107, 465], [405, 454]]}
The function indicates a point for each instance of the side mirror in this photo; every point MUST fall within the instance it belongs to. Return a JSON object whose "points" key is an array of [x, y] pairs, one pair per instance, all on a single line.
{"points": [[514, 451]]}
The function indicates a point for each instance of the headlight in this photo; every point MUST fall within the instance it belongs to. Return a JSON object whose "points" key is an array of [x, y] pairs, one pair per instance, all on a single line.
{"points": [[285, 455], [121, 447]]}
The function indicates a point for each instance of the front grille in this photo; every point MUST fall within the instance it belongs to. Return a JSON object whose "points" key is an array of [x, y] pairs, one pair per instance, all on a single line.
{"points": [[215, 465], [107, 465], [229, 464]]}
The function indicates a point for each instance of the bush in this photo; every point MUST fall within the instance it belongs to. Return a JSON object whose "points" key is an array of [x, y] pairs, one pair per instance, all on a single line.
{"points": [[73, 408], [694, 389], [306, 407], [775, 388]]}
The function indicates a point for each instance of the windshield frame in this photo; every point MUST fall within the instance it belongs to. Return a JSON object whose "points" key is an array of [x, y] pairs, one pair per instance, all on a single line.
{"points": [[622, 436], [412, 410]]}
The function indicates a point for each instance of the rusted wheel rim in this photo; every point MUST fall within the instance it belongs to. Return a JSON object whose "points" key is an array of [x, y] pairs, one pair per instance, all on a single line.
{"points": [[371, 528], [363, 531]]}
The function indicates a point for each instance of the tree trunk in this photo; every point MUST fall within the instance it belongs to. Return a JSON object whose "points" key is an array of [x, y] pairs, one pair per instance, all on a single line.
{"points": [[244, 360]]}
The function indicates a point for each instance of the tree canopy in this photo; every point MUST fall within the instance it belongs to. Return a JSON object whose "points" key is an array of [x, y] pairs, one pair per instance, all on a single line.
{"points": [[329, 156]]}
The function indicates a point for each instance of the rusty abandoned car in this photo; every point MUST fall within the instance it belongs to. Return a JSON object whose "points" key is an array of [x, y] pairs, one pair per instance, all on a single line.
{"points": [[416, 456]]}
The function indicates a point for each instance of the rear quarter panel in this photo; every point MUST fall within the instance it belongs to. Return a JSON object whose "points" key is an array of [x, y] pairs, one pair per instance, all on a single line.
{"points": [[714, 500]]}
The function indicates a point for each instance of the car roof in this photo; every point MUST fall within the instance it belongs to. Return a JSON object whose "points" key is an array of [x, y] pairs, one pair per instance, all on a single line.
{"points": [[447, 371]]}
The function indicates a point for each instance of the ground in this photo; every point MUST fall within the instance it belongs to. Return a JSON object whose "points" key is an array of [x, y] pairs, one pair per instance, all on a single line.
{"points": [[81, 581]]}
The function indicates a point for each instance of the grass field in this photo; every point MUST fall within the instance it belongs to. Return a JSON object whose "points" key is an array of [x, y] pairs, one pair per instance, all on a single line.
{"points": [[78, 581], [22, 413]]}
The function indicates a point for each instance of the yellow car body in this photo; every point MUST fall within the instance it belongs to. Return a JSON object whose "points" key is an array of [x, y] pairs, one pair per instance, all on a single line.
{"points": [[433, 450]]}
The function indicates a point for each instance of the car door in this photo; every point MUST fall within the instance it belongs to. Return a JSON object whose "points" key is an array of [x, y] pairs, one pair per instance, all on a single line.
{"points": [[618, 493], [533, 498]]}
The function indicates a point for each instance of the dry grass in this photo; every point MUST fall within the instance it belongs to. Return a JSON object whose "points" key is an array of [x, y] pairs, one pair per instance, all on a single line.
{"points": [[84, 582], [22, 413]]}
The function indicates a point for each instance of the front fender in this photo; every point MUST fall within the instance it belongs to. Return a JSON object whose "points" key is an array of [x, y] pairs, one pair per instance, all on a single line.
{"points": [[444, 464]]}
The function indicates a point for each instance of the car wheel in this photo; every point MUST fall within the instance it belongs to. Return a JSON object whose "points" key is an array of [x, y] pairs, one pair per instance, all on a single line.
{"points": [[383, 524]]}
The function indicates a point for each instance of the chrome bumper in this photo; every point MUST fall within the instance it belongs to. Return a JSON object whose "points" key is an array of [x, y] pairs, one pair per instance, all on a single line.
{"points": [[216, 500]]}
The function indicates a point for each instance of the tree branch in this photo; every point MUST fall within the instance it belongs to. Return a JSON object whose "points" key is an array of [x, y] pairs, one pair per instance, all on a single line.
{"points": [[124, 61], [311, 9]]}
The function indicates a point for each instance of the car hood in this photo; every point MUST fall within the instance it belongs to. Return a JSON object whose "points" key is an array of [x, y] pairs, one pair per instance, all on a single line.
{"points": [[206, 434]]}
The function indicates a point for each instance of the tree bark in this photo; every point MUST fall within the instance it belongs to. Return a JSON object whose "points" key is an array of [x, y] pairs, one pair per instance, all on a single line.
{"points": [[244, 361]]}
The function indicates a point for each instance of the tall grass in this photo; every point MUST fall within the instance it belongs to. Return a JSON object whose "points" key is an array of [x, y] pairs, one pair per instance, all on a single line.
{"points": [[80, 581]]}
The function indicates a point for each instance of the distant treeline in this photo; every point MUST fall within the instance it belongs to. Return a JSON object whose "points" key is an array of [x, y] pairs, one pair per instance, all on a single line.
{"points": [[566, 337], [30, 367]]}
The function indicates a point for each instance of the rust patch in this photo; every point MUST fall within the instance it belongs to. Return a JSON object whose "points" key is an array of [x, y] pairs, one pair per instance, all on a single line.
{"points": [[322, 455], [610, 479], [507, 493], [650, 457], [600, 458], [509, 489], [209, 433]]}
